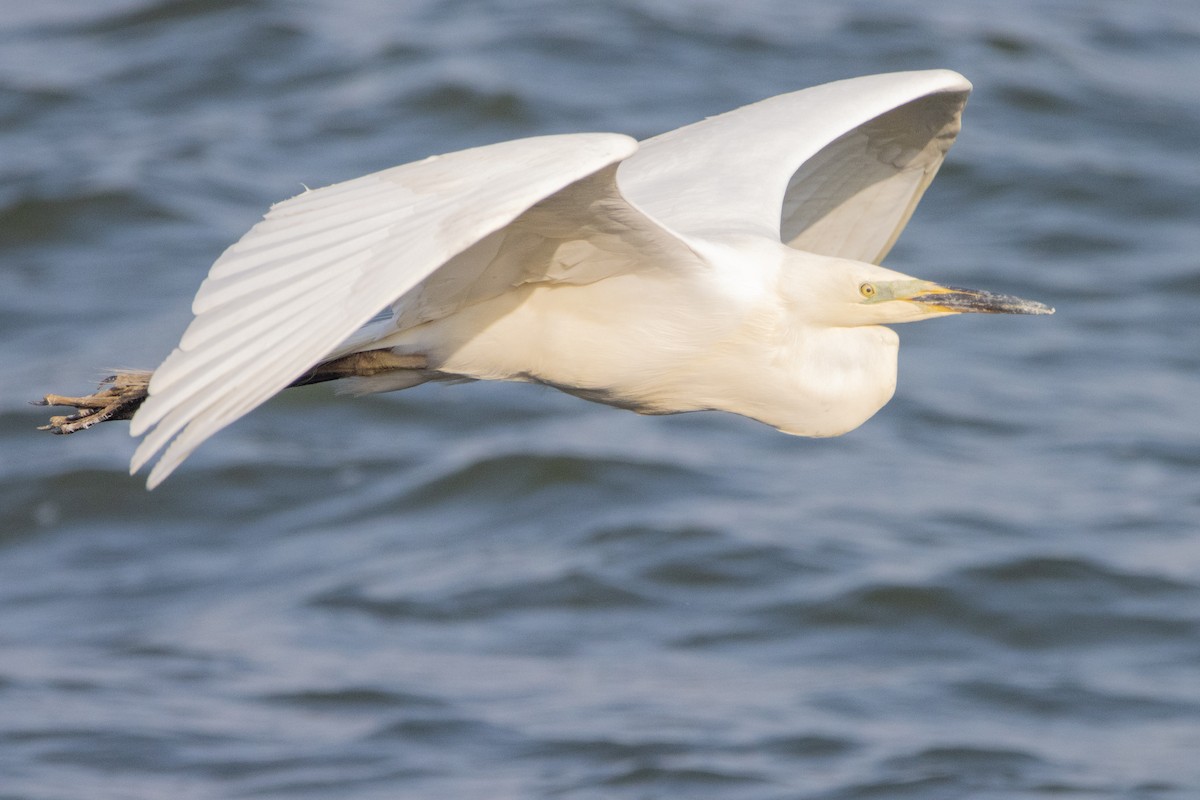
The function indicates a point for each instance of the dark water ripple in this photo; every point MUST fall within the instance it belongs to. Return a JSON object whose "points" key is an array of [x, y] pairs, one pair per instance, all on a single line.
{"points": [[571, 592], [1030, 604], [992, 590]]}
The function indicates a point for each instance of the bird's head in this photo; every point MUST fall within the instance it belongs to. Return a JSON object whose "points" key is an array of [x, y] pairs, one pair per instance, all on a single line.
{"points": [[848, 293]]}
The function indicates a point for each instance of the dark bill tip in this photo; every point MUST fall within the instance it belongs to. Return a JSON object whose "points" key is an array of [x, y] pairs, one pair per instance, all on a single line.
{"points": [[974, 301]]}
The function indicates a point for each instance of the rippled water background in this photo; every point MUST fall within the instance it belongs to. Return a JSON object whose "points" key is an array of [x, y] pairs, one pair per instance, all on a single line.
{"points": [[991, 590]]}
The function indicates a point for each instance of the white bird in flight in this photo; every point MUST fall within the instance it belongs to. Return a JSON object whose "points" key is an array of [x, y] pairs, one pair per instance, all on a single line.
{"points": [[728, 265]]}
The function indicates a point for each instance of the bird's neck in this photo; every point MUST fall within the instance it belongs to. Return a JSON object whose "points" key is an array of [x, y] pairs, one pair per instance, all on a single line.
{"points": [[818, 381]]}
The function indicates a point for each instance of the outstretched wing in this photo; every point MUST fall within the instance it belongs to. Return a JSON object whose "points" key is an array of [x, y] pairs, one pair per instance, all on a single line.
{"points": [[584, 233], [322, 264], [836, 169]]}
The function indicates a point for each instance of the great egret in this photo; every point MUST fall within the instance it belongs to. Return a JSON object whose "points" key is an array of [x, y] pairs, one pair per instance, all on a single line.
{"points": [[729, 265]]}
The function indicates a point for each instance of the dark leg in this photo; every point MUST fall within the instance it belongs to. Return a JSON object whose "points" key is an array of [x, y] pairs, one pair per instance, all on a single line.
{"points": [[359, 365], [120, 395], [124, 393]]}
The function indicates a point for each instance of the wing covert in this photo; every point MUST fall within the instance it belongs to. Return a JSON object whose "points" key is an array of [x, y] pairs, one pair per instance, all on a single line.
{"points": [[583, 233], [836, 169], [322, 264]]}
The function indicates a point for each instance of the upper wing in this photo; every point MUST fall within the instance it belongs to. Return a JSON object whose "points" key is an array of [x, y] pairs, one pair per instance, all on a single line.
{"points": [[322, 264], [836, 169], [579, 235]]}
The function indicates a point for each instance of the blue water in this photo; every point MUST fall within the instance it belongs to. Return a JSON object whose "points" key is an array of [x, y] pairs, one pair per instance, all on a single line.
{"points": [[991, 590]]}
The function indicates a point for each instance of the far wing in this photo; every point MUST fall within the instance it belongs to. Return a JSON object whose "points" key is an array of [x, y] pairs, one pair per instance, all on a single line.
{"points": [[836, 169], [322, 264]]}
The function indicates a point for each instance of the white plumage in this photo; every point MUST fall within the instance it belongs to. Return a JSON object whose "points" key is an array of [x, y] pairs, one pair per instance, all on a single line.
{"points": [[730, 265]]}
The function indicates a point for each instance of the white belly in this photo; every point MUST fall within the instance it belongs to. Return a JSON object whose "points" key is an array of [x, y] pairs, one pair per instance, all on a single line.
{"points": [[622, 338], [640, 343]]}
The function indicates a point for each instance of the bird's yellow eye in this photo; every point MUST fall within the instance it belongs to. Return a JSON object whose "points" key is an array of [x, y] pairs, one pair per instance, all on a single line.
{"points": [[867, 290]]}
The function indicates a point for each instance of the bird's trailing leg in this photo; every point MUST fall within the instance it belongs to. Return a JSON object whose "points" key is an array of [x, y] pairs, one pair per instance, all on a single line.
{"points": [[117, 397], [120, 395], [366, 364]]}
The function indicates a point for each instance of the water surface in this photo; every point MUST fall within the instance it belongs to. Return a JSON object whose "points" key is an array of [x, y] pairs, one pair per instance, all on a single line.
{"points": [[991, 590]]}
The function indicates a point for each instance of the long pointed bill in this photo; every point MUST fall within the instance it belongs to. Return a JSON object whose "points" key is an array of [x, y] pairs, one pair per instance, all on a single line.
{"points": [[953, 300]]}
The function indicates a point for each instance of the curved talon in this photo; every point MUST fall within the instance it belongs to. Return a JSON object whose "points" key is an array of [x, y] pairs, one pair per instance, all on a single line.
{"points": [[125, 392]]}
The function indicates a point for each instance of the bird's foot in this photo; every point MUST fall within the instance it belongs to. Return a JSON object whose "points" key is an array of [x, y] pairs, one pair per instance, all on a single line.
{"points": [[117, 397]]}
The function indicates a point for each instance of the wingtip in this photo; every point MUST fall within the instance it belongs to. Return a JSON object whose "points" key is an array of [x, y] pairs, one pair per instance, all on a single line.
{"points": [[154, 479], [161, 470]]}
